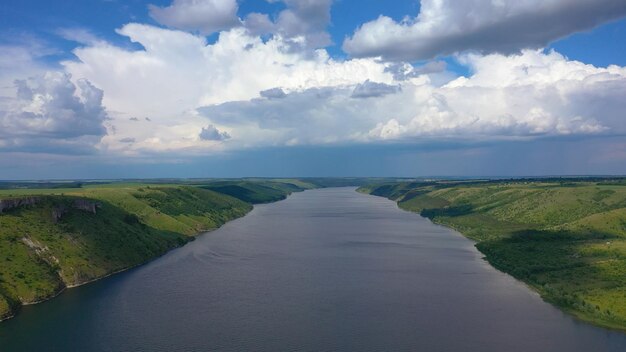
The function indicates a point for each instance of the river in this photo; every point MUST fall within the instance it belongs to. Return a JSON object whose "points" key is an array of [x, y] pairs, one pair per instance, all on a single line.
{"points": [[324, 270]]}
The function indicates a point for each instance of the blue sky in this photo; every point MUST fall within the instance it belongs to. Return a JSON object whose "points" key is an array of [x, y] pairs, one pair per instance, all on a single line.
{"points": [[600, 46], [215, 88]]}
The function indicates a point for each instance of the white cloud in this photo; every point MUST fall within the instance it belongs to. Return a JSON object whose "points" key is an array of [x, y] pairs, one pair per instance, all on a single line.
{"points": [[178, 72], [302, 25], [524, 96], [204, 16], [185, 84], [211, 133], [259, 24], [402, 71], [51, 111], [445, 27]]}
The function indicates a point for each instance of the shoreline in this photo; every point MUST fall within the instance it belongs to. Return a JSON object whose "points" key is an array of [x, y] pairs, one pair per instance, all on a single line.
{"points": [[576, 315], [190, 238], [15, 313]]}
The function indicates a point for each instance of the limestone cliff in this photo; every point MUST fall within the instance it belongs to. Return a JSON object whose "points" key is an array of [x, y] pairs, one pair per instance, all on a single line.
{"points": [[12, 203]]}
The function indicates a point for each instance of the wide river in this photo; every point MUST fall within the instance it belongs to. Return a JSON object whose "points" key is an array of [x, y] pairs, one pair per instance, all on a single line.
{"points": [[324, 270]]}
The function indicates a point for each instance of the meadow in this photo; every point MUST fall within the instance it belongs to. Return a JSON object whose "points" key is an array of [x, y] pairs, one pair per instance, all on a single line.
{"points": [[565, 238]]}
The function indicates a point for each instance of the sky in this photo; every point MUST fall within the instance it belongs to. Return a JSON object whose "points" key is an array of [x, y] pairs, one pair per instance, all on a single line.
{"points": [[100, 89]]}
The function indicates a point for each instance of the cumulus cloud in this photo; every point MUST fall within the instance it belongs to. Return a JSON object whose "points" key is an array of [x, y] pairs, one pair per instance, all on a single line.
{"points": [[402, 71], [211, 133], [236, 67], [52, 110], [527, 95], [369, 89], [203, 16], [302, 25], [259, 24], [524, 96], [446, 27]]}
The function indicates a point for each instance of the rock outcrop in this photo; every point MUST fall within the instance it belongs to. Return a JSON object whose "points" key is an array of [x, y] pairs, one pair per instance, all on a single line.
{"points": [[86, 205], [80, 204], [12, 203], [57, 212]]}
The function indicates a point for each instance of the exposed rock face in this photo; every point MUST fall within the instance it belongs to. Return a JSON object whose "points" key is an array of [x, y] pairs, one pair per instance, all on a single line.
{"points": [[12, 203], [42, 251], [80, 204], [83, 204], [58, 212]]}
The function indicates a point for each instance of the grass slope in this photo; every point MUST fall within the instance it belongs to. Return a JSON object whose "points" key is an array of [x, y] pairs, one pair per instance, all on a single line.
{"points": [[256, 192], [41, 255], [566, 239]]}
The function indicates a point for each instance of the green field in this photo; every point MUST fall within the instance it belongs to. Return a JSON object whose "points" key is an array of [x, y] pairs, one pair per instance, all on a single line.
{"points": [[53, 243], [564, 238]]}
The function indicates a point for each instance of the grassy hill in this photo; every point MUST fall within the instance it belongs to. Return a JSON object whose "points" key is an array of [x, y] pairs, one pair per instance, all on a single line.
{"points": [[70, 234], [564, 238], [256, 192]]}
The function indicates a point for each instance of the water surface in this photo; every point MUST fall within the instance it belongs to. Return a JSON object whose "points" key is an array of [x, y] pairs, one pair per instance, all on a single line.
{"points": [[324, 270]]}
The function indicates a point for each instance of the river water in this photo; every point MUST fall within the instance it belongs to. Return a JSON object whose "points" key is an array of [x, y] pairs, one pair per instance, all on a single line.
{"points": [[324, 270]]}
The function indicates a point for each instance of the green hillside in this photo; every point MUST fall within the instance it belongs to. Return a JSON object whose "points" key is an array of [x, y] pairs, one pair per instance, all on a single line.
{"points": [[565, 238], [256, 192], [59, 237]]}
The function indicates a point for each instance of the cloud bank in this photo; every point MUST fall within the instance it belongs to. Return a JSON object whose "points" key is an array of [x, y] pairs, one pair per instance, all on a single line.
{"points": [[519, 97]]}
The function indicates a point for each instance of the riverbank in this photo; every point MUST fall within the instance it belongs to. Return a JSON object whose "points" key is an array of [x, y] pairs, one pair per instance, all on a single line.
{"points": [[324, 270], [566, 240], [55, 239]]}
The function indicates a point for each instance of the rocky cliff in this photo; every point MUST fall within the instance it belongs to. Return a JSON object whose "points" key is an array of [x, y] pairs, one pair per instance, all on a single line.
{"points": [[12, 203]]}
